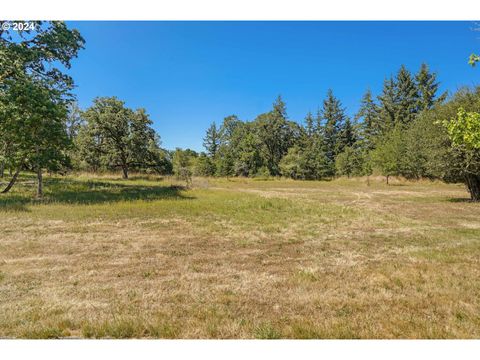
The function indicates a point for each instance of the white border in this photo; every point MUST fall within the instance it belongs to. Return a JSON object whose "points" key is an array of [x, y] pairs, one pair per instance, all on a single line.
{"points": [[240, 349], [240, 10]]}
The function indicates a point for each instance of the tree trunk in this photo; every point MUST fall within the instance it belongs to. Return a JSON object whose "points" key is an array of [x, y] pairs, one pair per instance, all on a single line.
{"points": [[125, 172], [387, 178], [39, 183], [12, 181], [473, 185], [2, 169]]}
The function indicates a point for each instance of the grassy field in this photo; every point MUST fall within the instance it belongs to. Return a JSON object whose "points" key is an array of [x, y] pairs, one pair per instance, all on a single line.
{"points": [[239, 258]]}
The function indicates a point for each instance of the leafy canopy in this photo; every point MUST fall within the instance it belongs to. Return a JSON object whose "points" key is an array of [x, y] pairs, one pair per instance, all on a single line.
{"points": [[464, 130]]}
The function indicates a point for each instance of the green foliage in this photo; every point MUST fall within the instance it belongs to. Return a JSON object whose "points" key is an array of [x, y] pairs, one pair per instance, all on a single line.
{"points": [[350, 162], [464, 129], [309, 125], [347, 136], [275, 134], [231, 132], [315, 164], [445, 140], [473, 59], [371, 126], [203, 166], [464, 134], [244, 148], [211, 142], [330, 143], [34, 95], [248, 159], [333, 117], [388, 105], [407, 97], [74, 120], [306, 160], [40, 127], [427, 86], [118, 137], [388, 156], [183, 159], [292, 164], [183, 164]]}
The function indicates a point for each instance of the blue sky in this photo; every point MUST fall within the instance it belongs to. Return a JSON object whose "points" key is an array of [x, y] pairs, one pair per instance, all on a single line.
{"points": [[189, 74]]}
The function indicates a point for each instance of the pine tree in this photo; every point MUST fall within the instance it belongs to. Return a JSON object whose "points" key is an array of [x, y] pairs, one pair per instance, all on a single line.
{"points": [[388, 105], [427, 86], [318, 123], [371, 125], [211, 142], [230, 134], [407, 93], [350, 162], [309, 124], [279, 108], [333, 116], [347, 136]]}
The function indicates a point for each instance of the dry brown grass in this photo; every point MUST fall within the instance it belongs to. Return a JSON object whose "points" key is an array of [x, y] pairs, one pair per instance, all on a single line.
{"points": [[240, 258]]}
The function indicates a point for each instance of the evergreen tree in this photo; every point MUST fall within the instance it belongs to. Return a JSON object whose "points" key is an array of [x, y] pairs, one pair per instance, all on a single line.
{"points": [[309, 125], [427, 86], [407, 96], [388, 105], [370, 126], [333, 118], [316, 165], [318, 123], [229, 136], [349, 162], [204, 166], [292, 164], [211, 141], [347, 136]]}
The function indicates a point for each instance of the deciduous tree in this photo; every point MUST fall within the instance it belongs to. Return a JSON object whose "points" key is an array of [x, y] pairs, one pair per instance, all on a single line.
{"points": [[34, 93]]}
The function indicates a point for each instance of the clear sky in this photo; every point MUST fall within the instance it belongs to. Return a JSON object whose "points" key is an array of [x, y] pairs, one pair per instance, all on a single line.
{"points": [[189, 74]]}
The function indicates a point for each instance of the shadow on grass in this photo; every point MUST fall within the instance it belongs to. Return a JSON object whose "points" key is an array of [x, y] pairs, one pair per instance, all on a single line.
{"points": [[13, 203], [463, 200], [70, 191]]}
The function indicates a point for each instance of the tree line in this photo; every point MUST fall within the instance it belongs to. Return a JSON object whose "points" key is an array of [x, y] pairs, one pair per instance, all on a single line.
{"points": [[409, 129], [328, 143], [406, 130]]}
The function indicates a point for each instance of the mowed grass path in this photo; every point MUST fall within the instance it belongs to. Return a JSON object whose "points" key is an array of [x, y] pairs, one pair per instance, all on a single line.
{"points": [[239, 258]]}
